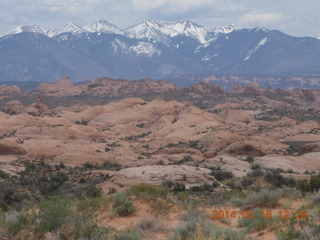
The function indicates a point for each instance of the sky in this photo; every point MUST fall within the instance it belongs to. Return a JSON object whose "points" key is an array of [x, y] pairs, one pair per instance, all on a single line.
{"points": [[294, 17]]}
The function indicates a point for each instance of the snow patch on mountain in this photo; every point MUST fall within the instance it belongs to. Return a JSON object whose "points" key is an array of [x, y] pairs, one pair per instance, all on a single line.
{"points": [[119, 47], [252, 51], [145, 48], [208, 58]]}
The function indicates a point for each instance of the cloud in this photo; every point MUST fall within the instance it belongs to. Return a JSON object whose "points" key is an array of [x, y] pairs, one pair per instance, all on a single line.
{"points": [[261, 19]]}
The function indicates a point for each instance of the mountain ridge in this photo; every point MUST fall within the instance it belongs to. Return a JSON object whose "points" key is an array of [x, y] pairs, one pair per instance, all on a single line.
{"points": [[153, 50]]}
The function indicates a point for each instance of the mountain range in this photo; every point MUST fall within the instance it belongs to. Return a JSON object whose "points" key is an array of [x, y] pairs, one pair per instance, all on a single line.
{"points": [[154, 50]]}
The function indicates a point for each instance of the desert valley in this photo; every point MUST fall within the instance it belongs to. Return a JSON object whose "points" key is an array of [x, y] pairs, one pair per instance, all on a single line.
{"points": [[147, 159]]}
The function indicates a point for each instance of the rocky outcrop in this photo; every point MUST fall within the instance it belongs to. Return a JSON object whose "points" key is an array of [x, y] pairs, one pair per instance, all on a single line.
{"points": [[205, 88], [64, 87], [156, 175], [11, 148], [13, 107], [128, 88], [6, 90]]}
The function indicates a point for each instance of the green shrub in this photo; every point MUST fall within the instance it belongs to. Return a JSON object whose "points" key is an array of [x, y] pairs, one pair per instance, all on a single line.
{"points": [[4, 175], [246, 182], [256, 173], [187, 231], [179, 187], [2, 217], [17, 221], [204, 187], [229, 234], [54, 214], [87, 191], [221, 175], [257, 223], [263, 198], [249, 160], [148, 191], [127, 236], [122, 206], [85, 228], [255, 166]]}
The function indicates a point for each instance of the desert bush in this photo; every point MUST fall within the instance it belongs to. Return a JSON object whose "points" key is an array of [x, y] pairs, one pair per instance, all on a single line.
{"points": [[221, 175], [229, 234], [178, 187], [86, 228], [263, 198], [17, 221], [86, 191], [112, 190], [2, 217], [289, 192], [309, 186], [193, 214], [204, 187], [161, 206], [185, 159], [256, 173], [4, 175], [246, 182], [187, 231], [255, 166], [91, 204], [127, 236], [151, 224], [273, 176], [255, 224], [54, 214], [249, 159], [148, 191], [123, 206]]}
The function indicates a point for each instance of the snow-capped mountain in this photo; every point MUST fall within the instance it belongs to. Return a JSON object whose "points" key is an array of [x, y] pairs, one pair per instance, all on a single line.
{"points": [[30, 28], [154, 30], [70, 27], [188, 29], [103, 26], [149, 30], [226, 29], [152, 49]]}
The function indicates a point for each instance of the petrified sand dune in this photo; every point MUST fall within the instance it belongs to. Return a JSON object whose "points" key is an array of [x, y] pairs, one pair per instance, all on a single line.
{"points": [[238, 116], [214, 141], [306, 162]]}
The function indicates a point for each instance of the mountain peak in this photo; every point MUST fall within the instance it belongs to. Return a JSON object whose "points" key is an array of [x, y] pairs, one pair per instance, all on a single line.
{"points": [[70, 27], [147, 29], [30, 28], [226, 29], [103, 25], [189, 29]]}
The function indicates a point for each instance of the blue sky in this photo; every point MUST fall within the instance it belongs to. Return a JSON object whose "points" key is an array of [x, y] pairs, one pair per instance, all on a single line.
{"points": [[294, 17]]}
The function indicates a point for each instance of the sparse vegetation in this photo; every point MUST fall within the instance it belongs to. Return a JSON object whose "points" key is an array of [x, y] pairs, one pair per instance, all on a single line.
{"points": [[123, 206]]}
